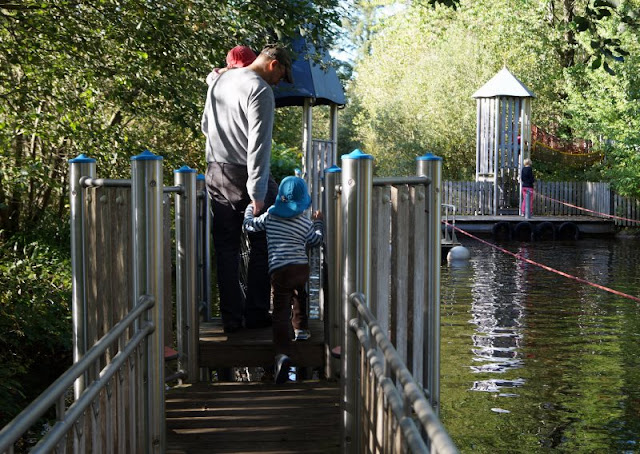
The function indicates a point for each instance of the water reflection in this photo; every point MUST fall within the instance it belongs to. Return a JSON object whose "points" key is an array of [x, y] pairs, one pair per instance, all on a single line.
{"points": [[497, 313], [532, 361], [494, 385]]}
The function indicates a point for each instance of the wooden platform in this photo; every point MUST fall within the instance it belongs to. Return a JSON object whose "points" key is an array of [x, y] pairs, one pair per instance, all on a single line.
{"points": [[250, 417], [588, 225], [254, 347]]}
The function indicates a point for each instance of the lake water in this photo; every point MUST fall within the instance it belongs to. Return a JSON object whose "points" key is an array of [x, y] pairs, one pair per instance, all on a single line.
{"points": [[534, 362]]}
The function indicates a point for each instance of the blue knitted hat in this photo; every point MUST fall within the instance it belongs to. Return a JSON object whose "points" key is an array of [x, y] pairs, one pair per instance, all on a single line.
{"points": [[293, 198]]}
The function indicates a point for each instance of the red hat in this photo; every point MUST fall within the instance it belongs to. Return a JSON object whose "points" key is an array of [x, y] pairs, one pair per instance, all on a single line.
{"points": [[240, 56]]}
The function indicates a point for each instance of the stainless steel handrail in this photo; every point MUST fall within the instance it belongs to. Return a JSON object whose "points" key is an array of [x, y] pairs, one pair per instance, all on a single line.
{"points": [[438, 437], [54, 394], [449, 234]]}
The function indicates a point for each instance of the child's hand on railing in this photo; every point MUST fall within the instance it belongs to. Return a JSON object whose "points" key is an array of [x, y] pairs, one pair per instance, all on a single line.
{"points": [[317, 215]]}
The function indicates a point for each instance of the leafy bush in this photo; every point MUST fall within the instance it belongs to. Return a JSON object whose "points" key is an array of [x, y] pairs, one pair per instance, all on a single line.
{"points": [[622, 168], [284, 161], [35, 318]]}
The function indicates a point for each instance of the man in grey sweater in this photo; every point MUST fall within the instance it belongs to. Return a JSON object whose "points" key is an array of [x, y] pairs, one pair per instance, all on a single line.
{"points": [[238, 123]]}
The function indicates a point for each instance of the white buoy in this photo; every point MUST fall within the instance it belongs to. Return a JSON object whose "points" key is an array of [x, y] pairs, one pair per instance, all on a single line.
{"points": [[458, 254]]}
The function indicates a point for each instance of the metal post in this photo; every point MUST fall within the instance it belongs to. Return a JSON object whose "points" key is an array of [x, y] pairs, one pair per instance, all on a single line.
{"points": [[146, 198], [313, 175], [496, 155], [357, 180], [203, 246], [430, 166], [187, 316], [333, 242], [306, 136], [81, 166], [334, 134], [307, 146]]}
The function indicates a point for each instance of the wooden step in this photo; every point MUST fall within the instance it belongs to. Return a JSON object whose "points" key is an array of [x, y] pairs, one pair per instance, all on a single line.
{"points": [[254, 418], [254, 347]]}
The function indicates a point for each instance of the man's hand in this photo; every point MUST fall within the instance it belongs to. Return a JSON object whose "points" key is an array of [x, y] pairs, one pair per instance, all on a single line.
{"points": [[258, 205]]}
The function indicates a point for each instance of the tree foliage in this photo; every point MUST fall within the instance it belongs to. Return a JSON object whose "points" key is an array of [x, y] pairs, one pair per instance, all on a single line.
{"points": [[110, 78], [580, 58], [35, 325]]}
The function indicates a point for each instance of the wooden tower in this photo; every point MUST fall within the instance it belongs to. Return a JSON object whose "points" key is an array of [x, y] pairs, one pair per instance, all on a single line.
{"points": [[503, 137]]}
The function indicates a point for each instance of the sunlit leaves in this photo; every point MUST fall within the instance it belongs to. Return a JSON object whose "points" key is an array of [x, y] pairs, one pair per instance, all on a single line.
{"points": [[413, 91], [109, 78]]}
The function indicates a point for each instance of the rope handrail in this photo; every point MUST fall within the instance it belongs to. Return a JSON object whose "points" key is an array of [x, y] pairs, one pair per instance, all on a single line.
{"points": [[547, 268], [587, 209]]}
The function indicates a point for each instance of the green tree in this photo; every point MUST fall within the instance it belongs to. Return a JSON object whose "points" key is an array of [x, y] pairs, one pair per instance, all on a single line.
{"points": [[412, 94], [111, 78]]}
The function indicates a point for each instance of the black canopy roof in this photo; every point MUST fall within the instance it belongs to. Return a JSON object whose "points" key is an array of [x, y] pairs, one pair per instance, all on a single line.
{"points": [[318, 81]]}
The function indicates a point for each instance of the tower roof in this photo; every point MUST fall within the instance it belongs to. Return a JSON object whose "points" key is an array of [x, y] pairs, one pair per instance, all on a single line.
{"points": [[316, 80], [504, 84]]}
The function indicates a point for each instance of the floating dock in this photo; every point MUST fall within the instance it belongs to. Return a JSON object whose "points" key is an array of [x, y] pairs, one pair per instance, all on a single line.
{"points": [[536, 227]]}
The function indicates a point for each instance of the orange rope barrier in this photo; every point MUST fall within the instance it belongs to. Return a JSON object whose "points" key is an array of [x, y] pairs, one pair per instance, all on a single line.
{"points": [[561, 273], [586, 209]]}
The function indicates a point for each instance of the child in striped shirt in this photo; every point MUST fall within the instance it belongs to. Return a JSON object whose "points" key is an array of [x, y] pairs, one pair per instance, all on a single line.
{"points": [[289, 232]]}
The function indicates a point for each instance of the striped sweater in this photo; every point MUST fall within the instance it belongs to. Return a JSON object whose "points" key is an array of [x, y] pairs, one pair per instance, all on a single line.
{"points": [[287, 238]]}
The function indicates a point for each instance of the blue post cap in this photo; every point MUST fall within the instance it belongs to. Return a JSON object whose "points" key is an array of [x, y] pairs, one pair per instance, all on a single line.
{"points": [[333, 169], [429, 157], [200, 177], [357, 154], [80, 159], [185, 169], [146, 155]]}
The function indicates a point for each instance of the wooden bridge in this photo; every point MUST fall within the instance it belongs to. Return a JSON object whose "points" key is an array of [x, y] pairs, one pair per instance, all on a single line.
{"points": [[378, 302], [381, 395], [254, 347]]}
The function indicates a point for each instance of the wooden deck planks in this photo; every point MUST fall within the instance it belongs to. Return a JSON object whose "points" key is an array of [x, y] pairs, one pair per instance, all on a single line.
{"points": [[253, 417], [254, 347]]}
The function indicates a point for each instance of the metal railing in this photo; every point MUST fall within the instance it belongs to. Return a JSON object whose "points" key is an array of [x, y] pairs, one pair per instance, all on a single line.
{"points": [[121, 309], [449, 227], [395, 409], [381, 227], [106, 402]]}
